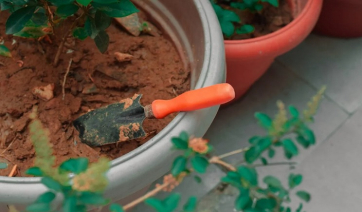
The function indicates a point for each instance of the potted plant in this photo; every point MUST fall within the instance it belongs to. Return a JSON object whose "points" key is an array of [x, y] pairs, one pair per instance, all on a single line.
{"points": [[257, 31], [193, 58], [340, 18]]}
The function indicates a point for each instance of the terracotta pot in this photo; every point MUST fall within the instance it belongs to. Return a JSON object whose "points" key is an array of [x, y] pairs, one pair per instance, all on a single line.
{"points": [[340, 18], [247, 60]]}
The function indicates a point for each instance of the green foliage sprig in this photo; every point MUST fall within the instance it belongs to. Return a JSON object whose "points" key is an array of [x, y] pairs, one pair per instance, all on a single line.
{"points": [[85, 187], [38, 18], [228, 19]]}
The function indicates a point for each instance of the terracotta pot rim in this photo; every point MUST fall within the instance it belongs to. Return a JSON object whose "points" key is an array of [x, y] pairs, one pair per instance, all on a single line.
{"points": [[278, 32]]}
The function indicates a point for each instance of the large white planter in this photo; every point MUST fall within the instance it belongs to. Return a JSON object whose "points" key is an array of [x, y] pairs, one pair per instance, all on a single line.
{"points": [[195, 30]]}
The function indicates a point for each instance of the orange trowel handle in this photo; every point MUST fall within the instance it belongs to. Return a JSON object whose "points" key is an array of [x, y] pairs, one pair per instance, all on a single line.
{"points": [[194, 100]]}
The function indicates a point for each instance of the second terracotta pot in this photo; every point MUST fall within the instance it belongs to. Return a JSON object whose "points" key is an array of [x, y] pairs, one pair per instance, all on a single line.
{"points": [[247, 60], [340, 18]]}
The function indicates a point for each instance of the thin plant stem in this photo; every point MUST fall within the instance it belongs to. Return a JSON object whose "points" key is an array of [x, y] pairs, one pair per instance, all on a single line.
{"points": [[233, 153], [217, 160], [146, 196], [49, 13], [60, 48], [13, 171], [65, 78]]}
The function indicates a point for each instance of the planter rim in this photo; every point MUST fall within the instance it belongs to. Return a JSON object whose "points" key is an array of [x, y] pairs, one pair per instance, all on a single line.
{"points": [[288, 27], [205, 79]]}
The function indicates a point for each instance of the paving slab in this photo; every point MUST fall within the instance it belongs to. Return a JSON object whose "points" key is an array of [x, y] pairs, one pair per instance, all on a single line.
{"points": [[333, 62], [235, 124], [333, 173]]}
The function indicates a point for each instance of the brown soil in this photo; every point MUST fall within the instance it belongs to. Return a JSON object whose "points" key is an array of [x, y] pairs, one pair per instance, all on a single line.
{"points": [[269, 20], [156, 71]]}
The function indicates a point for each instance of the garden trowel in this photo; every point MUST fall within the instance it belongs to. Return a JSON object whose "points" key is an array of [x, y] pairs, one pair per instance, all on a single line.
{"points": [[122, 121]]}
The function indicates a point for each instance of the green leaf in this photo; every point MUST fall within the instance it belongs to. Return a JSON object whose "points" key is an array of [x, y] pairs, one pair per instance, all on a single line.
{"points": [[255, 151], [118, 9], [102, 20], [3, 165], [61, 2], [179, 165], [179, 143], [229, 16], [275, 3], [293, 111], [290, 147], [81, 208], [242, 200], [238, 5], [47, 197], [252, 154], [90, 27], [304, 195], [264, 120], [70, 204], [245, 29], [156, 204], [265, 203], [282, 193], [232, 178], [308, 134], [226, 19], [227, 28], [75, 165], [200, 164], [271, 153], [295, 180], [84, 2], [18, 19], [51, 184], [105, 1], [288, 210], [91, 198], [258, 7], [254, 140], [264, 143], [39, 18], [198, 179], [264, 161], [167, 205], [272, 181], [31, 30], [80, 33], [115, 208], [6, 6], [102, 41], [303, 142], [39, 207], [248, 174], [300, 207], [184, 136], [171, 202], [66, 10], [19, 2], [188, 153], [191, 204]]}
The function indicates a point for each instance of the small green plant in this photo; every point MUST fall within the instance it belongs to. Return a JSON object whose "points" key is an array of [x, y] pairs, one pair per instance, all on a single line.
{"points": [[39, 18], [86, 185], [230, 21]]}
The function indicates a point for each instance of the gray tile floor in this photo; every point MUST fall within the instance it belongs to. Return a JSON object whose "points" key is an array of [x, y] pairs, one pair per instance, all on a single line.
{"points": [[330, 168]]}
